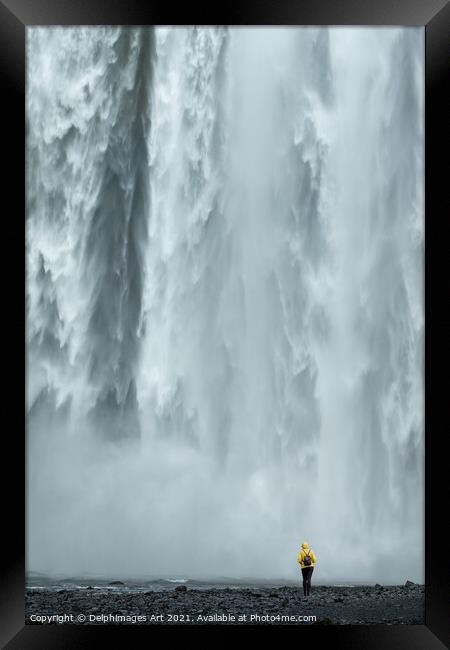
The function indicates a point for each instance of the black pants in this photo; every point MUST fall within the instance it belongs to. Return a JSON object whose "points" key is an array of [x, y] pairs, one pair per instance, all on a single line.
{"points": [[307, 573]]}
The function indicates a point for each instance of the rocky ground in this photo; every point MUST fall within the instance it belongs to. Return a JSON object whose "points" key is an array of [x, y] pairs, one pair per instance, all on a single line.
{"points": [[330, 605]]}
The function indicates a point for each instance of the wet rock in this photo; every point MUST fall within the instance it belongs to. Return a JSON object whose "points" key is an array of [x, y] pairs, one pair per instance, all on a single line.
{"points": [[408, 584], [360, 605]]}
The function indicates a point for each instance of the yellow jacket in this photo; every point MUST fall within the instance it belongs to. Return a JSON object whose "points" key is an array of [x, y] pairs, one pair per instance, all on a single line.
{"points": [[301, 557]]}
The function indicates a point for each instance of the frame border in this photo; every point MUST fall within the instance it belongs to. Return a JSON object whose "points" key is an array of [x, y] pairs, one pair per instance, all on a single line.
{"points": [[434, 16]]}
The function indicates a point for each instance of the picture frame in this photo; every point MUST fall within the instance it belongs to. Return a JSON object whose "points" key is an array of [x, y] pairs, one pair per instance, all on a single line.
{"points": [[434, 16]]}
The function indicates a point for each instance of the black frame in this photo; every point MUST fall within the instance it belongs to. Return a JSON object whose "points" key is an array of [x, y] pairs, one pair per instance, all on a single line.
{"points": [[434, 15]]}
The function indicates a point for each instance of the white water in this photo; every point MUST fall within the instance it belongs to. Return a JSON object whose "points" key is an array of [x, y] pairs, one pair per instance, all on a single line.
{"points": [[225, 302]]}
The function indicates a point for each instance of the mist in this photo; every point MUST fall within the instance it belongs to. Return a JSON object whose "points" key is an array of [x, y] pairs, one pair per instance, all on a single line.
{"points": [[225, 318]]}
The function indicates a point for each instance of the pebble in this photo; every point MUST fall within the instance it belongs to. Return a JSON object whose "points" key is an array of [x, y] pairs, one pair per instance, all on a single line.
{"points": [[342, 605]]}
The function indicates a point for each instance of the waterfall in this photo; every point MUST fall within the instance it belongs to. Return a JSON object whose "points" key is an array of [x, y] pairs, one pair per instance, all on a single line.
{"points": [[225, 318]]}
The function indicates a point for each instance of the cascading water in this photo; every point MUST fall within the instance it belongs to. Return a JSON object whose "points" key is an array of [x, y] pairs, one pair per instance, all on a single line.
{"points": [[225, 301]]}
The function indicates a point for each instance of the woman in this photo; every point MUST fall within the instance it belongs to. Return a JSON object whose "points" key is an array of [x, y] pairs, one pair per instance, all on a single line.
{"points": [[307, 560]]}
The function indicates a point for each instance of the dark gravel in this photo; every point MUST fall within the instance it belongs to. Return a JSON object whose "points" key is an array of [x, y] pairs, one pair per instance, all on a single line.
{"points": [[331, 605]]}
